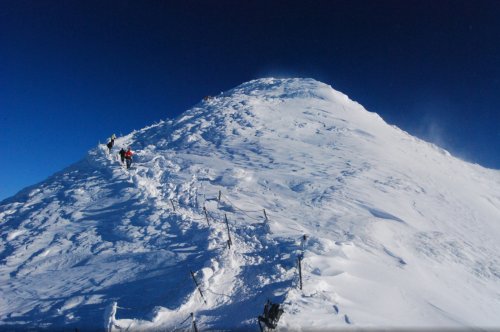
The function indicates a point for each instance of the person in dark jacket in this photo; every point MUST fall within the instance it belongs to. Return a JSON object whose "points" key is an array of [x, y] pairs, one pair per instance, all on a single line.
{"points": [[111, 143], [122, 155], [128, 157]]}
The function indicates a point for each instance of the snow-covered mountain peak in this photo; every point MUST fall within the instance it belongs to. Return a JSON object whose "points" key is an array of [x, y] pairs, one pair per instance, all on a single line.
{"points": [[286, 88], [393, 231], [262, 106]]}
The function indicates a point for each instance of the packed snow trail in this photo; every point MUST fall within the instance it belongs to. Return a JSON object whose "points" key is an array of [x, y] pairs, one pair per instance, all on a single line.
{"points": [[399, 232], [218, 276]]}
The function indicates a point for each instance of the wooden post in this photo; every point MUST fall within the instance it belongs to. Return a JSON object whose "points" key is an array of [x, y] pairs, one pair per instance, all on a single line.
{"points": [[220, 193], [303, 244], [299, 259], [173, 205], [229, 242], [195, 329], [206, 215], [198, 286]]}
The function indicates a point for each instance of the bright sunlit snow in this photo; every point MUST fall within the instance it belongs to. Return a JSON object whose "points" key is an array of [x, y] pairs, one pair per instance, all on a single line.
{"points": [[399, 233]]}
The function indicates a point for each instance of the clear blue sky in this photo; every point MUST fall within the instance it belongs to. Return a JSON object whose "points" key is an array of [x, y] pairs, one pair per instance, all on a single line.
{"points": [[73, 72]]}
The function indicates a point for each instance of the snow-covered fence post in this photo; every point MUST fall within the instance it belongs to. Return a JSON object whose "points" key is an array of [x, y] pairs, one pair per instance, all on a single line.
{"points": [[229, 242], [265, 216], [109, 316], [299, 260], [303, 243], [206, 215], [193, 319], [218, 198], [198, 286], [173, 205]]}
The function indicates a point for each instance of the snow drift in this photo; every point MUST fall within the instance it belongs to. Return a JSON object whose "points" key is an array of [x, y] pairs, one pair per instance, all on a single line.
{"points": [[398, 233]]}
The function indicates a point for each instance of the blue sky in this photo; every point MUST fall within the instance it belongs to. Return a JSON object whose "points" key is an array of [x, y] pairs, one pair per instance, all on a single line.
{"points": [[74, 72]]}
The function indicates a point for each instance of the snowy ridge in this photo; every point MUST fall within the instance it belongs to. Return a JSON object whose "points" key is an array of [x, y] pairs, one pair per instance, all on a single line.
{"points": [[399, 232]]}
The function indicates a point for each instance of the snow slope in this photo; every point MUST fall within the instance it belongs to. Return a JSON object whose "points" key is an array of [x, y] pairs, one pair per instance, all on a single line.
{"points": [[398, 233]]}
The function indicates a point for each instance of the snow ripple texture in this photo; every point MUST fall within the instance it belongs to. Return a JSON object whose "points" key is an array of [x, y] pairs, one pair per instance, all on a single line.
{"points": [[399, 233]]}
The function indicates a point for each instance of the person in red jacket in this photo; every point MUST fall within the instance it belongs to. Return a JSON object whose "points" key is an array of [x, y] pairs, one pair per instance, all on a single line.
{"points": [[128, 157]]}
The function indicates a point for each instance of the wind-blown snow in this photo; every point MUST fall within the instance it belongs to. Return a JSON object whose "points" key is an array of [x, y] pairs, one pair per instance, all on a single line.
{"points": [[399, 233]]}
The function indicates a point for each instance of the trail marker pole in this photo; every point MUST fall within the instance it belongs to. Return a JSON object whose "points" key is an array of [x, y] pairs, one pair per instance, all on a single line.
{"points": [[206, 215], [229, 242], [173, 205], [220, 193], [195, 329], [299, 259], [265, 216], [303, 243], [198, 286]]}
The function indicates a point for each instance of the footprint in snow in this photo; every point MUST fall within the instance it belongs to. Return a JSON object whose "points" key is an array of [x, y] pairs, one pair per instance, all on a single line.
{"points": [[347, 320], [336, 309]]}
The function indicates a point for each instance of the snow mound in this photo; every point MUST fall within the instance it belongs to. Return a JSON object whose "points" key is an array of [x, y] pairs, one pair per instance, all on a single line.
{"points": [[221, 202]]}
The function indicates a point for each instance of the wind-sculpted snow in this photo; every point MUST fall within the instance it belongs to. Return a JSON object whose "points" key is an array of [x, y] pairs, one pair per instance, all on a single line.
{"points": [[398, 233]]}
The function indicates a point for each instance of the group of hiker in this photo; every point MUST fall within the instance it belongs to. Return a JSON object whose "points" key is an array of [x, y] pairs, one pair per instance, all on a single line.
{"points": [[125, 156]]}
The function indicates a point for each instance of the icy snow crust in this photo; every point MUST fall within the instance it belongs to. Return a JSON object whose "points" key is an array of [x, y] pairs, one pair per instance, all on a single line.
{"points": [[398, 232]]}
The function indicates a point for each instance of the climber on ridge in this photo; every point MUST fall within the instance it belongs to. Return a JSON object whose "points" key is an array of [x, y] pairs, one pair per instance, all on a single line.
{"points": [[111, 143], [128, 157], [122, 155]]}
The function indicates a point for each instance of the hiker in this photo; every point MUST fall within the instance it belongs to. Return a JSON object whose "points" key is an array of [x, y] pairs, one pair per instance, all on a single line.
{"points": [[271, 315], [128, 157], [122, 155], [111, 143]]}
